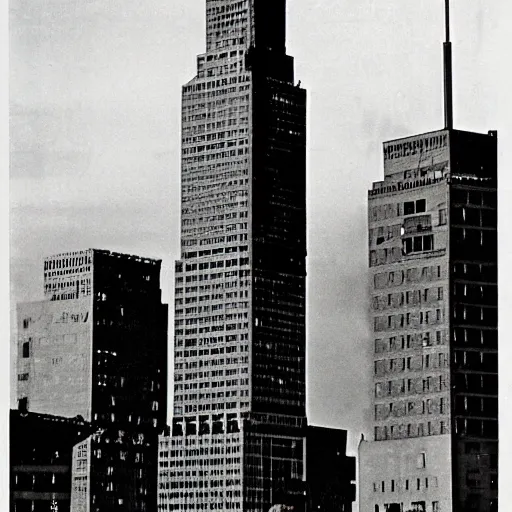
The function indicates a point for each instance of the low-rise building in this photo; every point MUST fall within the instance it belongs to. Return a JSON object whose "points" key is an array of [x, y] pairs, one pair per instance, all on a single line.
{"points": [[41, 447], [330, 473]]}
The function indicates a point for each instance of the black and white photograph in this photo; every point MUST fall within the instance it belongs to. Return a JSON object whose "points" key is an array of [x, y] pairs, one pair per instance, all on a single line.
{"points": [[251, 255]]}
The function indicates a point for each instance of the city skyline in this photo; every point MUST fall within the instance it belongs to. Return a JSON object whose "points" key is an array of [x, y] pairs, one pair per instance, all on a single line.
{"points": [[320, 236]]}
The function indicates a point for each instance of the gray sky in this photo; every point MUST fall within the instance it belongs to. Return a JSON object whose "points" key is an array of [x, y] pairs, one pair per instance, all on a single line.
{"points": [[95, 120]]}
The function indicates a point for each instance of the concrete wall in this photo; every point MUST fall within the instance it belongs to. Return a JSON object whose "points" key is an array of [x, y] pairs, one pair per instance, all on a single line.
{"points": [[56, 375], [393, 472]]}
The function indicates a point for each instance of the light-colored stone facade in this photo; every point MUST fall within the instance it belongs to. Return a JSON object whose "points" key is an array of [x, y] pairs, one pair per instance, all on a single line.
{"points": [[409, 475], [55, 356], [408, 243]]}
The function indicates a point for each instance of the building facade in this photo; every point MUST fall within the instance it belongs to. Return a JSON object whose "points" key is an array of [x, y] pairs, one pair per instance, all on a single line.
{"points": [[41, 447], [433, 264], [239, 363], [97, 347]]}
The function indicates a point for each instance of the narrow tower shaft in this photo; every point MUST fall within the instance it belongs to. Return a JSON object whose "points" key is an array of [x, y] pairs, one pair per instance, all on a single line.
{"points": [[448, 78]]}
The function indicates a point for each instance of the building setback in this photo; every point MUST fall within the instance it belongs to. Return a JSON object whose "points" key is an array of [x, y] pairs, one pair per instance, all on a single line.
{"points": [[239, 361], [97, 347]]}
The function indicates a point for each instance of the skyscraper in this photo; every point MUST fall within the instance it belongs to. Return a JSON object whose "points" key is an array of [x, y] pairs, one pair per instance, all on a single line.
{"points": [[96, 347], [239, 360], [433, 262]]}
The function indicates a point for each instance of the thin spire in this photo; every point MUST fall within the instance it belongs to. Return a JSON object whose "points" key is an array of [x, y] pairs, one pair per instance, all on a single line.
{"points": [[448, 79]]}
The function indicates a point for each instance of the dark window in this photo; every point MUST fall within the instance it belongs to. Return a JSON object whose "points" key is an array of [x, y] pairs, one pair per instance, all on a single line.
{"points": [[26, 349], [421, 205], [409, 208], [418, 244]]}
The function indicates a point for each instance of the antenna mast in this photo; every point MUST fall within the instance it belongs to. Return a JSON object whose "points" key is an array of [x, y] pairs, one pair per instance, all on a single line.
{"points": [[448, 79]]}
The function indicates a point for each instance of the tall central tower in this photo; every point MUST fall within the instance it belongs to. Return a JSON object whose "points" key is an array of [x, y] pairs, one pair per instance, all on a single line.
{"points": [[239, 420]]}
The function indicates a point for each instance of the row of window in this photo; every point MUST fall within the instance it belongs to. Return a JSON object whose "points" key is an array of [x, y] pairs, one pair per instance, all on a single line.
{"points": [[409, 430], [215, 240], [204, 363], [178, 377], [208, 207], [194, 331], [392, 210], [213, 84], [213, 319], [216, 218], [210, 252], [411, 275], [411, 245], [411, 363], [419, 385], [412, 319], [213, 384], [420, 407], [67, 262], [406, 484], [233, 262], [410, 298], [210, 396], [409, 341], [206, 287]]}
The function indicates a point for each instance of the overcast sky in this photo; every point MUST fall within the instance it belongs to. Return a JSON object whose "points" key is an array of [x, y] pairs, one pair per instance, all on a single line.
{"points": [[95, 140]]}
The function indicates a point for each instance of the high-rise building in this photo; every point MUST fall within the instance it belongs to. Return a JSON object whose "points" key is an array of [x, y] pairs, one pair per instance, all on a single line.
{"points": [[239, 361], [96, 347], [433, 264]]}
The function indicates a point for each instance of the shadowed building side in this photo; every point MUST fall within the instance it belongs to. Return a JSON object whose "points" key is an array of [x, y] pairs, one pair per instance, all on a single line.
{"points": [[41, 447]]}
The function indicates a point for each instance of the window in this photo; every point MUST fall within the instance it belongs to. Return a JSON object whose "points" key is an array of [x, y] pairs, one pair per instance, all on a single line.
{"points": [[421, 205], [26, 349], [442, 217], [418, 244], [409, 208], [421, 461]]}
